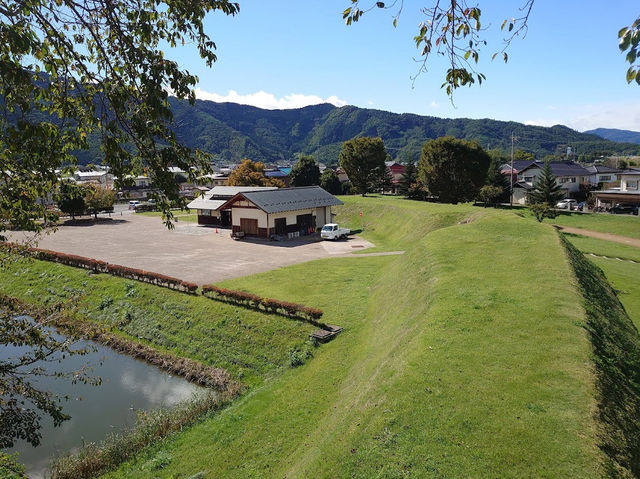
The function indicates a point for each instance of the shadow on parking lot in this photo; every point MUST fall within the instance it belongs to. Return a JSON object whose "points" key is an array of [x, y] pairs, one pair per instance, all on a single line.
{"points": [[93, 221]]}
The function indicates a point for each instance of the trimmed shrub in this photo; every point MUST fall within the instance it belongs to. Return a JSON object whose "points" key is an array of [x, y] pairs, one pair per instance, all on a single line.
{"points": [[99, 266], [270, 305]]}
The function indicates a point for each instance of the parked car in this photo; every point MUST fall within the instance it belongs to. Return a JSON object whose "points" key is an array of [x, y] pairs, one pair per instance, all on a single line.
{"points": [[624, 209], [134, 204], [567, 204], [332, 231]]}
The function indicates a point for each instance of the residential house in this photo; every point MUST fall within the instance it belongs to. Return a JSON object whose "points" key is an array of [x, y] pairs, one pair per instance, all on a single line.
{"points": [[99, 177], [209, 205], [139, 190], [602, 174], [342, 175], [629, 191], [281, 174], [397, 170], [569, 175], [284, 211]]}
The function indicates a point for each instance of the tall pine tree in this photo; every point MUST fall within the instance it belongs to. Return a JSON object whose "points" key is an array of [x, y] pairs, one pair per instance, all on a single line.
{"points": [[409, 177], [546, 188]]}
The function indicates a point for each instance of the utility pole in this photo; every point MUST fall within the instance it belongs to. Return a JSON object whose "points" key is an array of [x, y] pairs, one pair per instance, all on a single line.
{"points": [[511, 171]]}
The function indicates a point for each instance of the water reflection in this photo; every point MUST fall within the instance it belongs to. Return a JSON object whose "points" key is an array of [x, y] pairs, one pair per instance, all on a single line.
{"points": [[127, 385]]}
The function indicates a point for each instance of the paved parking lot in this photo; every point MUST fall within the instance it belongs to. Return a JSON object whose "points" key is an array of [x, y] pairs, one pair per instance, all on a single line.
{"points": [[190, 252]]}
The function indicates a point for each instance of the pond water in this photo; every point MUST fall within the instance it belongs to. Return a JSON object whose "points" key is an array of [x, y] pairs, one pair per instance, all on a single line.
{"points": [[128, 385]]}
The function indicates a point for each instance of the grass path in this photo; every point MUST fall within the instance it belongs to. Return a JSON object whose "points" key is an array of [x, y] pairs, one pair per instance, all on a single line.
{"points": [[603, 236], [622, 225], [456, 361]]}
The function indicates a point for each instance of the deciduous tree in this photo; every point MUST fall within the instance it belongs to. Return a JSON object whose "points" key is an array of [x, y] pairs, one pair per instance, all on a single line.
{"points": [[453, 29], [71, 70], [453, 170], [251, 173], [98, 198], [329, 181], [305, 172], [363, 159], [71, 198]]}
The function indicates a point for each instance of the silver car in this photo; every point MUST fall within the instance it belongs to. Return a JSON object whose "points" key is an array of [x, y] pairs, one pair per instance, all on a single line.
{"points": [[567, 204]]}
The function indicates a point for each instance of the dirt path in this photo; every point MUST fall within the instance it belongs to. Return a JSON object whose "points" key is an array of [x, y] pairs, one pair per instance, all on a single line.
{"points": [[603, 236]]}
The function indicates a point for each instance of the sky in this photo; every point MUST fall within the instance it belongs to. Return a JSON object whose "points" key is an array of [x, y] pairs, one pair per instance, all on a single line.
{"points": [[287, 54]]}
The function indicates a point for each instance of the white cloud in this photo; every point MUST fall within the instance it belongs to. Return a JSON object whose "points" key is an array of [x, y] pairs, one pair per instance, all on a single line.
{"points": [[434, 104], [624, 116], [269, 101]]}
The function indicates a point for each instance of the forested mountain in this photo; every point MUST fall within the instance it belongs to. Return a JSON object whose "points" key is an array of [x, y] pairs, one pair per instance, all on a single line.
{"points": [[614, 134], [232, 132]]}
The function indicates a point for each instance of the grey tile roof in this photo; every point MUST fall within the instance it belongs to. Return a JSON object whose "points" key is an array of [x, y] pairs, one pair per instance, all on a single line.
{"points": [[562, 168], [290, 199], [602, 169], [201, 203], [631, 171], [229, 191]]}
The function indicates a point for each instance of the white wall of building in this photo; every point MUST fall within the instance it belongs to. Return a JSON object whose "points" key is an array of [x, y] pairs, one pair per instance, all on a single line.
{"points": [[251, 213]]}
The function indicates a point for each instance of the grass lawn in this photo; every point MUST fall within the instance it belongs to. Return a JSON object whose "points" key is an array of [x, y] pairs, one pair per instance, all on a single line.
{"points": [[456, 361], [603, 247], [623, 225], [625, 279], [249, 344], [624, 276]]}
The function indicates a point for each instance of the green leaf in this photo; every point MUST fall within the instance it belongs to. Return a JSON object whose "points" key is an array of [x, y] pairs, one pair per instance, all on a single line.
{"points": [[631, 74]]}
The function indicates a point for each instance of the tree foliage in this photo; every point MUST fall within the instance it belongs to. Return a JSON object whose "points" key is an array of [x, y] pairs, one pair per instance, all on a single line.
{"points": [[330, 182], [73, 70], [98, 198], [490, 195], [630, 43], [21, 399], [363, 160], [546, 189], [542, 211], [453, 29], [71, 198], [305, 172], [453, 170], [408, 178], [251, 173]]}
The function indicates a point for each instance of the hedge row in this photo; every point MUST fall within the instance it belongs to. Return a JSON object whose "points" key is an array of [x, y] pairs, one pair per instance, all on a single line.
{"points": [[103, 267], [268, 304]]}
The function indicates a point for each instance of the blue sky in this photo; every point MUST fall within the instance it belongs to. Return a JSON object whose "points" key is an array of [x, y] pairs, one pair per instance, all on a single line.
{"points": [[568, 70]]}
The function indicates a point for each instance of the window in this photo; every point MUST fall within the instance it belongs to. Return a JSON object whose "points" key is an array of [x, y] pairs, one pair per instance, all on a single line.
{"points": [[528, 179], [563, 180], [632, 185], [605, 177]]}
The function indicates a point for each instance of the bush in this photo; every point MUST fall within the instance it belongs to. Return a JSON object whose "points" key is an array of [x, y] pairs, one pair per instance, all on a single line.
{"points": [[10, 468], [95, 459], [268, 304]]}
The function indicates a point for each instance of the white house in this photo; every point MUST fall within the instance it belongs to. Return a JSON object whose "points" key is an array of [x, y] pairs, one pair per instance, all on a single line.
{"points": [[569, 175], [602, 174], [209, 205], [281, 211], [629, 191]]}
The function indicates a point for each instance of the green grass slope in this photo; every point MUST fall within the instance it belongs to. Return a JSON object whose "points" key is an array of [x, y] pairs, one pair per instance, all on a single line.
{"points": [[623, 225], [248, 344], [616, 354], [464, 357], [624, 276]]}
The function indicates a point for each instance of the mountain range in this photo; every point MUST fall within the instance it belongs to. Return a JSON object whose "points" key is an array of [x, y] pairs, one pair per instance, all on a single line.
{"points": [[614, 134], [232, 132]]}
